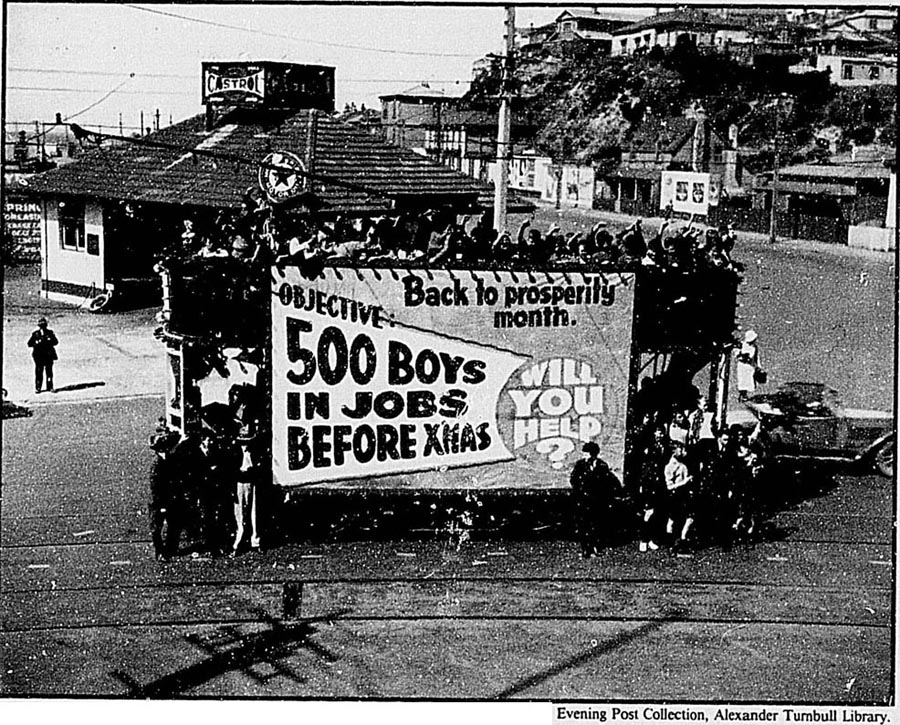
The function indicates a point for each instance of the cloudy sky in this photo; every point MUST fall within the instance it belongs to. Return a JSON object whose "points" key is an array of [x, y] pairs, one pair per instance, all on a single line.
{"points": [[92, 62]]}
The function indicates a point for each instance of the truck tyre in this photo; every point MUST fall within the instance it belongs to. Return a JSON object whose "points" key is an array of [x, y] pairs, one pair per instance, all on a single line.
{"points": [[885, 458]]}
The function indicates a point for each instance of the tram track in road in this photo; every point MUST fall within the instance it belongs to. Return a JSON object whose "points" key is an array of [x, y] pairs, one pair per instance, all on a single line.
{"points": [[464, 598]]}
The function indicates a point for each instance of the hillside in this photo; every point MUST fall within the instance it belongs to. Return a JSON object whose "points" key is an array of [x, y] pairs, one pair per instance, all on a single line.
{"points": [[587, 106]]}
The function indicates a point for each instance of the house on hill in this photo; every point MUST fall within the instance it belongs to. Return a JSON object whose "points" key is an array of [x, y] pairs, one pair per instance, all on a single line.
{"points": [[592, 26], [863, 32], [704, 28], [587, 25], [107, 216]]}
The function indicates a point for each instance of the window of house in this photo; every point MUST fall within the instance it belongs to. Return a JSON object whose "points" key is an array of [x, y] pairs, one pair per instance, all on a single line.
{"points": [[70, 216], [623, 43], [874, 73], [847, 72], [647, 39], [873, 23]]}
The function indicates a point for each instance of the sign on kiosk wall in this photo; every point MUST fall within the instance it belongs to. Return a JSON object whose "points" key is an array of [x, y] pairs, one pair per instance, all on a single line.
{"points": [[447, 379], [687, 191]]}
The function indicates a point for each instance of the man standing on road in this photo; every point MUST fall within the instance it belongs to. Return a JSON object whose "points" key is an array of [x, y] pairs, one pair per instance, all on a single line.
{"points": [[43, 349], [749, 366], [246, 490], [165, 512], [594, 488]]}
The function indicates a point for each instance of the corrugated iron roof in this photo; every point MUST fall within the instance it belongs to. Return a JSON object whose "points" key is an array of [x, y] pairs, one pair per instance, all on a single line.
{"points": [[361, 173], [870, 170]]}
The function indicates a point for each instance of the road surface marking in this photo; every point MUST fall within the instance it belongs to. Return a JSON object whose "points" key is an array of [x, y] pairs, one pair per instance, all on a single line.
{"points": [[38, 566], [776, 558], [883, 563], [124, 562], [497, 553], [84, 533], [312, 556], [404, 553]]}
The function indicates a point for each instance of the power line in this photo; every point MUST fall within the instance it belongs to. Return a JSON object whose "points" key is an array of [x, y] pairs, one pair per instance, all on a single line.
{"points": [[193, 77], [44, 89], [313, 41]]}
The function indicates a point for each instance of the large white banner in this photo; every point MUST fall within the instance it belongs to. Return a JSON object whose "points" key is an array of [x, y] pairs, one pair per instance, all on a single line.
{"points": [[424, 376]]}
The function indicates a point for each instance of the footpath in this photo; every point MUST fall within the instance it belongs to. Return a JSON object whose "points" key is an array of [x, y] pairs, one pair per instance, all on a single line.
{"points": [[111, 355]]}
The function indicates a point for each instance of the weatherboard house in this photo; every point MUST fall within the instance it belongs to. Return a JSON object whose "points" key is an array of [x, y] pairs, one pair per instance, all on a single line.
{"points": [[106, 218]]}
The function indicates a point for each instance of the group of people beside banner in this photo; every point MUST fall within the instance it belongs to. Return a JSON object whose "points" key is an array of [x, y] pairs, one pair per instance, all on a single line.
{"points": [[690, 488], [205, 486]]}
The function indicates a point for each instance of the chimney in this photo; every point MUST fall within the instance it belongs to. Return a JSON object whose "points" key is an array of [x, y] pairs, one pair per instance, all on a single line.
{"points": [[311, 134]]}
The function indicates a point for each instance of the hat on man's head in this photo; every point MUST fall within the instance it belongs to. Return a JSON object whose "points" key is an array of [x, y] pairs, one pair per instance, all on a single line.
{"points": [[750, 336], [590, 447], [42, 321]]}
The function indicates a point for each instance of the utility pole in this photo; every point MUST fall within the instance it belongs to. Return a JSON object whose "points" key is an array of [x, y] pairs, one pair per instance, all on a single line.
{"points": [[156, 121], [501, 181], [439, 146], [142, 123], [773, 218]]}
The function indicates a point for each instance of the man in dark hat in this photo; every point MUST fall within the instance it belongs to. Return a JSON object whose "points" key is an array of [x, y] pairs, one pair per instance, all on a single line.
{"points": [[165, 511], [43, 344], [593, 488]]}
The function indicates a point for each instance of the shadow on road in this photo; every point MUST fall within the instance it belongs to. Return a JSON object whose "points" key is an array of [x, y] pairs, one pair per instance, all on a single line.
{"points": [[595, 652], [80, 386], [11, 410], [230, 650]]}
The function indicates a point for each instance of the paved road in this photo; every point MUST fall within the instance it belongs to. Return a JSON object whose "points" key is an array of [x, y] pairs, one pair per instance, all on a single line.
{"points": [[803, 615]]}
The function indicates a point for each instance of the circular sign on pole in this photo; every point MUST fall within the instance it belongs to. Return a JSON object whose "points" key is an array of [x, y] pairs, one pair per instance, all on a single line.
{"points": [[281, 175]]}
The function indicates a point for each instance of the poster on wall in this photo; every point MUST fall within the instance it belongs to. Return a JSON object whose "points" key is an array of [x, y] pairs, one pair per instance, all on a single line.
{"points": [[687, 191], [446, 379]]}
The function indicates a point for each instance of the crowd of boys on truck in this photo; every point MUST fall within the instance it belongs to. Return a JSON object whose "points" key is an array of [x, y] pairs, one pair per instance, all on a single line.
{"points": [[689, 488]]}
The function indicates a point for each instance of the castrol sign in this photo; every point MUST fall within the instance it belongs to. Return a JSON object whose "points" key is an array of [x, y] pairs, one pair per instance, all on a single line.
{"points": [[238, 85]]}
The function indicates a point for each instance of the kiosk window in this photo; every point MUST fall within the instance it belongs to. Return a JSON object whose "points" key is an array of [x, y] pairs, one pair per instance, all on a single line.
{"points": [[71, 225]]}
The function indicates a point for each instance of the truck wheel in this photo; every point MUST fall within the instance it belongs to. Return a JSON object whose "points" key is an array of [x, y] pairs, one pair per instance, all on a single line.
{"points": [[885, 459]]}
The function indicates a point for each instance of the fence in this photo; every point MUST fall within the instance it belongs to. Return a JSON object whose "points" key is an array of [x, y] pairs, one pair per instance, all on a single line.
{"points": [[790, 225]]}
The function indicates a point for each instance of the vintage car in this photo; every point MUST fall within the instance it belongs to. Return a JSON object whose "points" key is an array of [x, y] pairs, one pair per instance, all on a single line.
{"points": [[808, 421]]}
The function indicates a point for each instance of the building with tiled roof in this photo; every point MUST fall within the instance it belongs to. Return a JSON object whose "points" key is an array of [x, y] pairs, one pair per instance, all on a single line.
{"points": [[107, 215], [187, 165]]}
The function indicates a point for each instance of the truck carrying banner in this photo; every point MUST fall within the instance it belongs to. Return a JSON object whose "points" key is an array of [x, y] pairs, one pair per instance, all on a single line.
{"points": [[447, 379]]}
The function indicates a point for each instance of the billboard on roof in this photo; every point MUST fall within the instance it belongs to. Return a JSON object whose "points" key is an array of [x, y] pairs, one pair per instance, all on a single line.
{"points": [[268, 84], [446, 379]]}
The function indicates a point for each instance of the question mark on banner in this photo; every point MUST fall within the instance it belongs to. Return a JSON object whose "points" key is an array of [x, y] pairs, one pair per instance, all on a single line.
{"points": [[557, 448]]}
